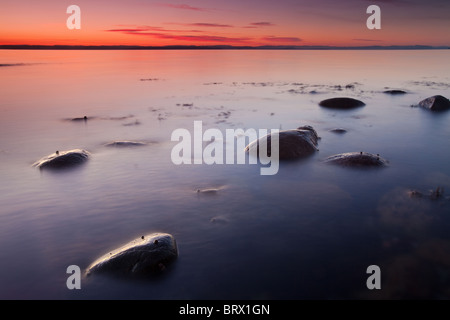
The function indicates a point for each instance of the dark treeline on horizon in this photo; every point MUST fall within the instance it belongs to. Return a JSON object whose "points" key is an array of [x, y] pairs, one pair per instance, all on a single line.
{"points": [[214, 47]]}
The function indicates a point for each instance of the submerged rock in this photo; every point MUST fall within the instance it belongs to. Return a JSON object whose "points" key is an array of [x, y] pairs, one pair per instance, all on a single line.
{"points": [[435, 103], [395, 92], [338, 130], [125, 144], [357, 159], [63, 159], [85, 118], [293, 144], [146, 255], [208, 191], [434, 194], [341, 103]]}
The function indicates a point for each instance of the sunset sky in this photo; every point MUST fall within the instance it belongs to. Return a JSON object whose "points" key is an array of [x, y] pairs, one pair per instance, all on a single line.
{"points": [[229, 22]]}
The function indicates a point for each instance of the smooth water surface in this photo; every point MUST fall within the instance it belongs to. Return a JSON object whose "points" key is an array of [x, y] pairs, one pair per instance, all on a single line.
{"points": [[310, 231]]}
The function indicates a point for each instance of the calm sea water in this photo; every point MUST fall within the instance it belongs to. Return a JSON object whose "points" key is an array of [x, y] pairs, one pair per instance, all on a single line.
{"points": [[308, 232]]}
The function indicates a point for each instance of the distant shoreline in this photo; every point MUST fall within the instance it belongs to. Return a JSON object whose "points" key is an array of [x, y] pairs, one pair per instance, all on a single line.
{"points": [[220, 47]]}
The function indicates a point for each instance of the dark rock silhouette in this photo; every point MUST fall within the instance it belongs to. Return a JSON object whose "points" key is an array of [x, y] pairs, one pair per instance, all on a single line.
{"points": [[341, 103], [85, 118], [435, 103], [395, 92]]}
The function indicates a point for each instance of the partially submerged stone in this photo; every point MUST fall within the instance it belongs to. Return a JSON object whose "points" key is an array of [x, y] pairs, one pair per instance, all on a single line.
{"points": [[357, 159], [208, 191], [434, 194], [125, 143], [146, 255], [338, 130], [293, 144], [63, 159], [85, 118], [395, 92], [435, 103], [341, 103]]}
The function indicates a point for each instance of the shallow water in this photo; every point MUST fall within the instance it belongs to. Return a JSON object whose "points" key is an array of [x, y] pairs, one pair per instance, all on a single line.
{"points": [[310, 231]]}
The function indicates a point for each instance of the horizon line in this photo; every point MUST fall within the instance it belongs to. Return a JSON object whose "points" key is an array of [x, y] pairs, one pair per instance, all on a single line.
{"points": [[218, 47]]}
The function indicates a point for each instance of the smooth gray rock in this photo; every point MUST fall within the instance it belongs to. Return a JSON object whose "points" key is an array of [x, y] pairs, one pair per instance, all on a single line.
{"points": [[341, 103], [146, 255], [63, 159], [357, 159], [435, 103], [293, 144]]}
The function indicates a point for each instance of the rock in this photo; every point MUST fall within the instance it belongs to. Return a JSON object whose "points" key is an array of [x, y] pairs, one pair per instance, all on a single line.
{"points": [[434, 194], [146, 255], [357, 159], [85, 118], [435, 103], [394, 92], [338, 130], [63, 159], [219, 220], [208, 191], [125, 144], [341, 103], [293, 144], [415, 194]]}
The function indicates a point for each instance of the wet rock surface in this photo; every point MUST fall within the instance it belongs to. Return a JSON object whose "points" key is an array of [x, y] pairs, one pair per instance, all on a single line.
{"points": [[435, 103], [147, 255], [293, 144], [357, 159], [63, 159]]}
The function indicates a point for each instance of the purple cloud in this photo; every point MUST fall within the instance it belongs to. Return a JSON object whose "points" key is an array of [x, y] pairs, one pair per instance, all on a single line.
{"points": [[366, 40], [282, 39], [156, 32], [262, 24], [215, 25], [184, 7]]}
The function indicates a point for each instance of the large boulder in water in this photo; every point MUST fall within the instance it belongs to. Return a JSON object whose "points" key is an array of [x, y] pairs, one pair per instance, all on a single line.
{"points": [[146, 255], [357, 159], [63, 159], [341, 103], [293, 144], [435, 103]]}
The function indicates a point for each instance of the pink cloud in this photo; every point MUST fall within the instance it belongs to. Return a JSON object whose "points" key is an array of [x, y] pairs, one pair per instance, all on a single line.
{"points": [[156, 33], [184, 7], [217, 25], [262, 24]]}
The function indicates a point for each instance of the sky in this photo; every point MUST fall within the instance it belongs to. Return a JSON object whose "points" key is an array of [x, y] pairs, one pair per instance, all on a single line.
{"points": [[225, 22]]}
